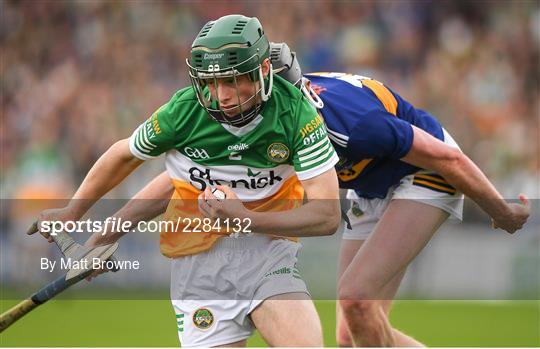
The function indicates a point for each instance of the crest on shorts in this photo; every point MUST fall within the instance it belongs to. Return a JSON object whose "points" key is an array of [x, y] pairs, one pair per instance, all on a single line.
{"points": [[203, 318], [278, 152], [355, 209]]}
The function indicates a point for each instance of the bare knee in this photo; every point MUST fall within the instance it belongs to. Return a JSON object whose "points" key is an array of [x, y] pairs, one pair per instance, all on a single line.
{"points": [[350, 291], [364, 320], [359, 310], [343, 337]]}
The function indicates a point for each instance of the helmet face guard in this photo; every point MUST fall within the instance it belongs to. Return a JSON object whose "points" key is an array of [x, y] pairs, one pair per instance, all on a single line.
{"points": [[247, 109], [231, 48]]}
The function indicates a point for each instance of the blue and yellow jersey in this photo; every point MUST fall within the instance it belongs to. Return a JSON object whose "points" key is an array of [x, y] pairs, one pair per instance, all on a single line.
{"points": [[370, 126]]}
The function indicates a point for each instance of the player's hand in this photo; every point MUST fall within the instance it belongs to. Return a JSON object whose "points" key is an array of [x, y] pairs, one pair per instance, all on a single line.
{"points": [[213, 208], [56, 214], [96, 240], [515, 219]]}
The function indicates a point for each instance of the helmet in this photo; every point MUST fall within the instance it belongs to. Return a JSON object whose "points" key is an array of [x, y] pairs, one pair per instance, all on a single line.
{"points": [[286, 65], [229, 47]]}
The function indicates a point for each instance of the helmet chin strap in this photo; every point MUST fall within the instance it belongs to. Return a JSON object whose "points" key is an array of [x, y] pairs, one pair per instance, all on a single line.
{"points": [[266, 95], [246, 116], [311, 96]]}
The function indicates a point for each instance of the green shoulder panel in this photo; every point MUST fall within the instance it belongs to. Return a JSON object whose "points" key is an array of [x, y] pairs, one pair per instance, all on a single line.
{"points": [[311, 148], [159, 132]]}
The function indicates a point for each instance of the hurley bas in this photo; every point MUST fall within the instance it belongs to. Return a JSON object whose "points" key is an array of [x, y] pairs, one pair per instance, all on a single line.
{"points": [[85, 264]]}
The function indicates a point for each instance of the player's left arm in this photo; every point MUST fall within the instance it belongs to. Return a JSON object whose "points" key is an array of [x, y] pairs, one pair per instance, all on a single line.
{"points": [[430, 153], [319, 216], [147, 204]]}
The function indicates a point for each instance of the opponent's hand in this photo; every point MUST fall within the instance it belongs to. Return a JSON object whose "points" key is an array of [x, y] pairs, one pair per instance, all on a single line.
{"points": [[213, 208], [515, 219], [56, 214]]}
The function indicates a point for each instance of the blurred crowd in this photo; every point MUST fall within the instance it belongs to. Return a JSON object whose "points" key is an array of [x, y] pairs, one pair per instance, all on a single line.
{"points": [[78, 75]]}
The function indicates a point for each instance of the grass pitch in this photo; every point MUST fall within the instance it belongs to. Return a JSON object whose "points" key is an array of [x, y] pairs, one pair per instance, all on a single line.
{"points": [[135, 323]]}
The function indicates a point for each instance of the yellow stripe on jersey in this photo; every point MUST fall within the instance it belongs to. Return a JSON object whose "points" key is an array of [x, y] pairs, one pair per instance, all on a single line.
{"points": [[437, 186], [383, 94], [432, 178], [183, 205], [347, 175]]}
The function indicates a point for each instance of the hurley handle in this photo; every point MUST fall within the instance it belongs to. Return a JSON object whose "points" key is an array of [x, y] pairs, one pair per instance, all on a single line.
{"points": [[66, 243]]}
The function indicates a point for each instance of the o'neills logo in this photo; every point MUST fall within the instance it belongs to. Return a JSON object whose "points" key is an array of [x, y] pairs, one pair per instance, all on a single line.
{"points": [[201, 178], [238, 147], [213, 55]]}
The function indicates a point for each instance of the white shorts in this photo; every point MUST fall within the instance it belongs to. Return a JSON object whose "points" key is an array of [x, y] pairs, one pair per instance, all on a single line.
{"points": [[423, 186], [214, 292]]}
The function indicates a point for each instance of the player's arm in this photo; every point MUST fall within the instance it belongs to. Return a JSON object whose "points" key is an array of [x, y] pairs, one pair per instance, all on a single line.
{"points": [[116, 164], [147, 204], [430, 153], [109, 170], [319, 216]]}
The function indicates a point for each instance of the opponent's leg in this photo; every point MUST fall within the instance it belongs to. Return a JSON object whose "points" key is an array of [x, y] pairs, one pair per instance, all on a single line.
{"points": [[398, 237], [348, 250], [288, 320]]}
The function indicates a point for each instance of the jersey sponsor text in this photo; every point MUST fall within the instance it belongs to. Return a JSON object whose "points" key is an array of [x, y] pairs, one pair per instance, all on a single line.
{"points": [[200, 178]]}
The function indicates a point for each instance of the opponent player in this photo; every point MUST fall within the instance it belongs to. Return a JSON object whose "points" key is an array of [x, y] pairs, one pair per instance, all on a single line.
{"points": [[240, 126], [403, 169], [406, 176]]}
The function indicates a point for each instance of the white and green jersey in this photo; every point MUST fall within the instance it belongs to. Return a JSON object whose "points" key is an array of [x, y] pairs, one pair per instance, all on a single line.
{"points": [[262, 160]]}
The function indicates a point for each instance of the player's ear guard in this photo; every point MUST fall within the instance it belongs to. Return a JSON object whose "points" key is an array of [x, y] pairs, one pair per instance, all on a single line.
{"points": [[286, 65]]}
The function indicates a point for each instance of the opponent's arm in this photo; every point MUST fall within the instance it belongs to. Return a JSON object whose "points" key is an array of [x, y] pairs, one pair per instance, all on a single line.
{"points": [[430, 153], [319, 216]]}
